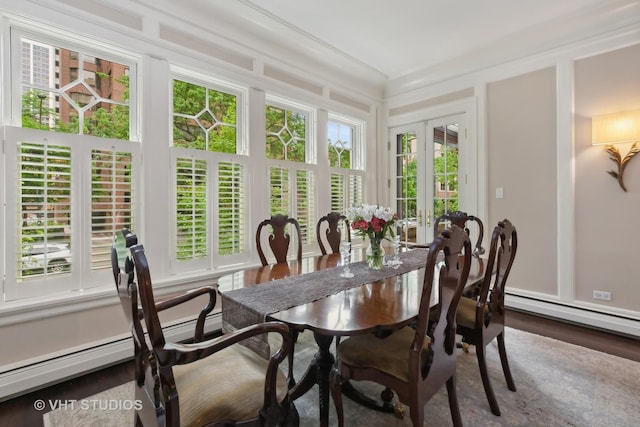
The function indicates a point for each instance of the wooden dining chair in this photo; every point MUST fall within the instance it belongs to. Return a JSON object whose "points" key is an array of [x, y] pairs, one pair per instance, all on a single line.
{"points": [[417, 360], [333, 235], [147, 390], [481, 320], [461, 219], [279, 238], [215, 382]]}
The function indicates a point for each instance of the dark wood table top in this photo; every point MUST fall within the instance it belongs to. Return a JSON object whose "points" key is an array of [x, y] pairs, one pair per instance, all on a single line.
{"points": [[387, 303]]}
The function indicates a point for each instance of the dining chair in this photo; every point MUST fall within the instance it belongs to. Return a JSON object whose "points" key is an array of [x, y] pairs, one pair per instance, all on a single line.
{"points": [[279, 238], [217, 382], [333, 234], [144, 364], [481, 320], [461, 219], [417, 360]]}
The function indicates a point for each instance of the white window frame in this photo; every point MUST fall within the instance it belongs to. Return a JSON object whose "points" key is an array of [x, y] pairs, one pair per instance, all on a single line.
{"points": [[357, 158], [214, 260], [310, 164], [81, 277]]}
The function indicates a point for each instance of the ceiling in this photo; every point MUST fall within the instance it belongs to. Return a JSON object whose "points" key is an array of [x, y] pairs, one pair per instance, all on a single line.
{"points": [[386, 40]]}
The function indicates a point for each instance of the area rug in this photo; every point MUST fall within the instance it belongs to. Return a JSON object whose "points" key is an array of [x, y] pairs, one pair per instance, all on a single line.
{"points": [[559, 384]]}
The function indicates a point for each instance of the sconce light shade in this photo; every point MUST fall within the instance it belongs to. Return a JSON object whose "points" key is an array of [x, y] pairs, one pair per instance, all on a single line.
{"points": [[616, 128]]}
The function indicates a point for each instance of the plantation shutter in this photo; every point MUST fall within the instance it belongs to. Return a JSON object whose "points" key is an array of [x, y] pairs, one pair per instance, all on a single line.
{"points": [[356, 190], [191, 206], [231, 213], [44, 207], [111, 202], [280, 196], [338, 193], [305, 205]]}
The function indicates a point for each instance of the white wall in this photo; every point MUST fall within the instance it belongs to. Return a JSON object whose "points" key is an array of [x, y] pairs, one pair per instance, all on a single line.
{"points": [[576, 227]]}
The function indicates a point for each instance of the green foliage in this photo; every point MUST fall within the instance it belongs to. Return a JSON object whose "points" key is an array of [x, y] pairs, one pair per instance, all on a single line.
{"points": [[203, 118], [286, 134], [445, 168], [105, 119], [339, 159]]}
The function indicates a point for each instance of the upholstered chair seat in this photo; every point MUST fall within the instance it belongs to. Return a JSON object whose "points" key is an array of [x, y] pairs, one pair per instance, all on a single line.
{"points": [[382, 353], [466, 315], [201, 402]]}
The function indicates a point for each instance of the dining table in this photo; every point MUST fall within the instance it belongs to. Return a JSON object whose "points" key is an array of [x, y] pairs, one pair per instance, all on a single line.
{"points": [[311, 294]]}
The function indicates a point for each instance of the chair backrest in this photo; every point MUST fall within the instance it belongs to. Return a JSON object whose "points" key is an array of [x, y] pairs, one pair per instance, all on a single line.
{"points": [[279, 238], [460, 219], [449, 274], [333, 234], [170, 359], [502, 251], [123, 275]]}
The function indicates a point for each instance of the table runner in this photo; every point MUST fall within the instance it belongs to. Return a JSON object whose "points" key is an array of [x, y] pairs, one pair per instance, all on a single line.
{"points": [[250, 305]]}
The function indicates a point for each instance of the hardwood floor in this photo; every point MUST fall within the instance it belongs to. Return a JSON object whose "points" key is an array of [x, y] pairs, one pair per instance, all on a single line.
{"points": [[20, 411]]}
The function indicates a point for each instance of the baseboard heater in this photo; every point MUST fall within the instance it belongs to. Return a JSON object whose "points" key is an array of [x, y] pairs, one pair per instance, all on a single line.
{"points": [[620, 324], [34, 376]]}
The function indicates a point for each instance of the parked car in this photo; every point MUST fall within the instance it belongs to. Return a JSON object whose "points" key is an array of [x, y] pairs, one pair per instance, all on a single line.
{"points": [[55, 257]]}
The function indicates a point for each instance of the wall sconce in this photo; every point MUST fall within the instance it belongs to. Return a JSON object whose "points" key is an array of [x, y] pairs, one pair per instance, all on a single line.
{"points": [[617, 128]]}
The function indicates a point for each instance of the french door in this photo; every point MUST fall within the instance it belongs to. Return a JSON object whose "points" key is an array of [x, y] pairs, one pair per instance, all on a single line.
{"points": [[430, 178]]}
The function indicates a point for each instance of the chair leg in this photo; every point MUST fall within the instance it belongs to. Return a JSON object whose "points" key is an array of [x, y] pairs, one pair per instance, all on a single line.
{"points": [[452, 394], [416, 411], [290, 380], [336, 392], [505, 363], [482, 364], [292, 418]]}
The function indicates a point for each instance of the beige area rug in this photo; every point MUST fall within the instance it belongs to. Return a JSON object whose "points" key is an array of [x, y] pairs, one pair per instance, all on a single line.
{"points": [[558, 384]]}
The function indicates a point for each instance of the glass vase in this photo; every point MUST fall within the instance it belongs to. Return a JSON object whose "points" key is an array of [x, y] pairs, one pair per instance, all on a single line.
{"points": [[375, 254]]}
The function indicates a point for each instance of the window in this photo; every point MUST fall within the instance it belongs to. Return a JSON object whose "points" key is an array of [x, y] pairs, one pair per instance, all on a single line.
{"points": [[210, 173], [290, 154], [72, 191], [406, 164], [445, 169], [204, 118], [70, 102], [344, 145]]}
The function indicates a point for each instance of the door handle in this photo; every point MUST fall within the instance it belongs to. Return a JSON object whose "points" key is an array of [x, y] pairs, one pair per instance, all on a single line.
{"points": [[429, 218], [420, 218]]}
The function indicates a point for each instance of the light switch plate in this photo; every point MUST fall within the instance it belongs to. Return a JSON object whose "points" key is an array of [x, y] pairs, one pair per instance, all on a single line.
{"points": [[499, 192]]}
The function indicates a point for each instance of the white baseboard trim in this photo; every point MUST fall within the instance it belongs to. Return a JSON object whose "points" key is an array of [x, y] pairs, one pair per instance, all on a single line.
{"points": [[33, 376], [625, 325]]}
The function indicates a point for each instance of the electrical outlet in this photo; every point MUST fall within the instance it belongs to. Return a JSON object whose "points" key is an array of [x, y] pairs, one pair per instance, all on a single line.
{"points": [[603, 295]]}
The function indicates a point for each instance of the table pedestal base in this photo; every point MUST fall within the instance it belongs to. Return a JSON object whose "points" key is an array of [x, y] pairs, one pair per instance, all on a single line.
{"points": [[318, 373]]}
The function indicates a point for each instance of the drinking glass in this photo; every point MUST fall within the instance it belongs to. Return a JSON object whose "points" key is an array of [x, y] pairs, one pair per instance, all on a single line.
{"points": [[345, 252], [396, 250]]}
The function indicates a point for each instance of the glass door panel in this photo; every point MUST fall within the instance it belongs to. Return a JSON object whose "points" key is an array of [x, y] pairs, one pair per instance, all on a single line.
{"points": [[409, 199], [427, 175], [445, 169]]}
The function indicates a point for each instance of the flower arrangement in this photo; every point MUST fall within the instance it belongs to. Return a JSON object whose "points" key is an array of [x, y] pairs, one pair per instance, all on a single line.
{"points": [[372, 221]]}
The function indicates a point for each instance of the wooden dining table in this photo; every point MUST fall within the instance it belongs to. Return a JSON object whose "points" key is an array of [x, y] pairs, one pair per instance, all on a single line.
{"points": [[353, 306]]}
